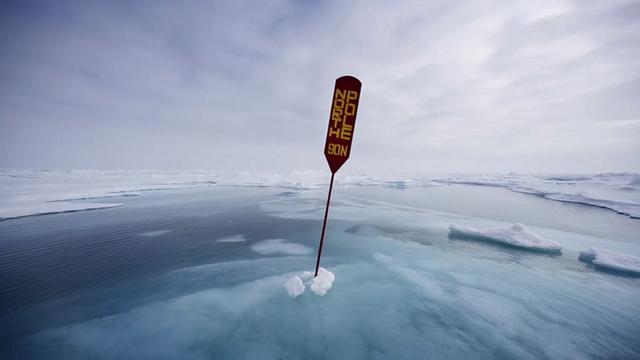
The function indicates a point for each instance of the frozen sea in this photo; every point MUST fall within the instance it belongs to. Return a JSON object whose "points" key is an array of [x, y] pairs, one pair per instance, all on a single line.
{"points": [[198, 273]]}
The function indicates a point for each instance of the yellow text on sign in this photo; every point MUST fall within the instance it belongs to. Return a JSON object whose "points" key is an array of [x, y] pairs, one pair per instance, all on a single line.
{"points": [[343, 106], [337, 149]]}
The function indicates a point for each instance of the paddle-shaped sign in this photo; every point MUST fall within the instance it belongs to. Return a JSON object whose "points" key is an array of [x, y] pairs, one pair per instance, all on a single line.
{"points": [[342, 123]]}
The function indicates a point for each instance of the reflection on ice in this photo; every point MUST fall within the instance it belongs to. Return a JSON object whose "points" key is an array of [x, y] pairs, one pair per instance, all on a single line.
{"points": [[154, 233], [280, 246], [232, 239], [396, 233]]}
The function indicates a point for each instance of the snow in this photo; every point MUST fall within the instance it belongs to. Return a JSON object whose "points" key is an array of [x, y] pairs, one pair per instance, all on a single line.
{"points": [[323, 282], [319, 285], [517, 236], [611, 260], [280, 246], [232, 239], [295, 287]]}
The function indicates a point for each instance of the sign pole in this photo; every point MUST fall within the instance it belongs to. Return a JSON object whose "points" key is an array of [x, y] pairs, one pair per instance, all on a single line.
{"points": [[337, 148], [324, 224]]}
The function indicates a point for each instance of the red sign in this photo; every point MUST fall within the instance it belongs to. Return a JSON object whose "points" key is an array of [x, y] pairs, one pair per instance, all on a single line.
{"points": [[342, 121]]}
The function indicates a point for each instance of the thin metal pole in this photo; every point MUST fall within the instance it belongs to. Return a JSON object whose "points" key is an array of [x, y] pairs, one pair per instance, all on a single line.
{"points": [[324, 224]]}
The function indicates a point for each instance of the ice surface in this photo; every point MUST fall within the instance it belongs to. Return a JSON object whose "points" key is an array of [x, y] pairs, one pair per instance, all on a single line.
{"points": [[395, 299], [295, 287], [323, 282], [407, 307], [231, 239], [280, 246], [611, 260], [517, 236]]}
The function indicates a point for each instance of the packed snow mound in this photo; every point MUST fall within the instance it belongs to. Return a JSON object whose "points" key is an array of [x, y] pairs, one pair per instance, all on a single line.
{"points": [[320, 284], [295, 287], [323, 282], [611, 260], [516, 236]]}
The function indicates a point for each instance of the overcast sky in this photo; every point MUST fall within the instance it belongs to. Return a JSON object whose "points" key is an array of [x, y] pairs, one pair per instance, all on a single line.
{"points": [[448, 86]]}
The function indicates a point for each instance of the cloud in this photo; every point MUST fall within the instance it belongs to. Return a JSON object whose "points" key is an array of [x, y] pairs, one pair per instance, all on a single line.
{"points": [[469, 86]]}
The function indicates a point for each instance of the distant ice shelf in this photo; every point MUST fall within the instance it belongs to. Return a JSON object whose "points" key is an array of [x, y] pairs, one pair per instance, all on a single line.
{"points": [[515, 236], [619, 192], [34, 192], [37, 192], [13, 210]]}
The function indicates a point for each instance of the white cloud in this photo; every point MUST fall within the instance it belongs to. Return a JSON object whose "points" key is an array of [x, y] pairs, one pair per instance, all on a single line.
{"points": [[468, 86]]}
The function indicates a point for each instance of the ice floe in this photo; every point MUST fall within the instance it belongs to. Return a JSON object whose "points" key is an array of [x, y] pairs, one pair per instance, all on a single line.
{"points": [[611, 260], [516, 236]]}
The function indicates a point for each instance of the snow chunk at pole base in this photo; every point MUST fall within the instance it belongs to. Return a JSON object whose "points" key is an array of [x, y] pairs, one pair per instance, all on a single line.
{"points": [[319, 285]]}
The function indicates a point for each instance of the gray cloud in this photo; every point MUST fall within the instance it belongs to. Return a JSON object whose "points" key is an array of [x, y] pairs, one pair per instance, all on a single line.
{"points": [[448, 86]]}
